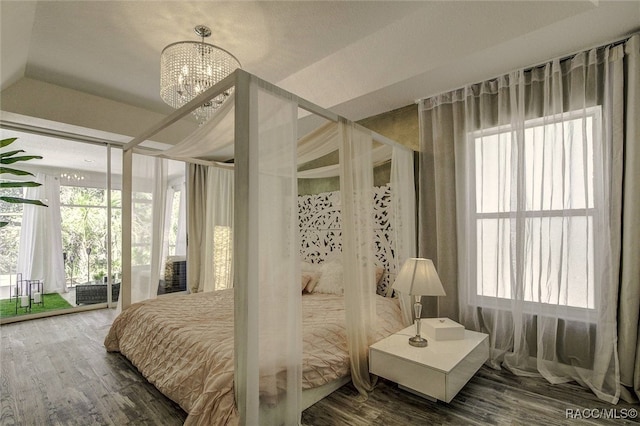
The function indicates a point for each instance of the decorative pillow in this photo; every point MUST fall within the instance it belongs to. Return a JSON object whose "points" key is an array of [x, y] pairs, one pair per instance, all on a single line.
{"points": [[330, 279], [312, 280]]}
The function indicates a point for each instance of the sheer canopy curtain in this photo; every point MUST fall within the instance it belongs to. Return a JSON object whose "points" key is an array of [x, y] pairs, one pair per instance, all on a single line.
{"points": [[268, 301], [538, 165], [149, 199], [210, 258], [218, 270], [40, 250], [356, 186], [403, 206]]}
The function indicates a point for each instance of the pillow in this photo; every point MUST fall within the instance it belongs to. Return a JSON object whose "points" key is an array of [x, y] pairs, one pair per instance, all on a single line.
{"points": [[312, 280], [313, 271], [310, 267], [305, 280], [330, 281], [379, 274], [331, 278]]}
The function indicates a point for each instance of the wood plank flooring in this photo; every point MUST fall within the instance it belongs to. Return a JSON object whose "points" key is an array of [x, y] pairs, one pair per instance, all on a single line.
{"points": [[490, 398], [55, 371]]}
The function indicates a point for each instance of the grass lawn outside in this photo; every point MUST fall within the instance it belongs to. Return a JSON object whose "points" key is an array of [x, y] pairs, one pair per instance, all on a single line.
{"points": [[52, 301]]}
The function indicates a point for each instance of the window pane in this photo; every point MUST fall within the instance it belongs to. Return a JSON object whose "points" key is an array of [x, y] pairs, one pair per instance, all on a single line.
{"points": [[173, 221], [493, 173], [116, 233], [494, 258], [559, 261], [558, 167], [558, 164], [9, 234], [116, 214], [141, 229], [222, 255]]}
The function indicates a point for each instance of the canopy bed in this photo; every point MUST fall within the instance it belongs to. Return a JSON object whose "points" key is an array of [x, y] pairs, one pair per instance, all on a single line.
{"points": [[270, 345]]}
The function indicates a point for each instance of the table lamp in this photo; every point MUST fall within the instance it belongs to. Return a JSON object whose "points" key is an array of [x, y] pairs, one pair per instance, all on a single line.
{"points": [[418, 277]]}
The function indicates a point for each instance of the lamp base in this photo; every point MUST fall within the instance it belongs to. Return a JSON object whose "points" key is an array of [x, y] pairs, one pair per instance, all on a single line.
{"points": [[418, 341]]}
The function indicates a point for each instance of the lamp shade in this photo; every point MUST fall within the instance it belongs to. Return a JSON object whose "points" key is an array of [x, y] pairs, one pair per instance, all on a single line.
{"points": [[418, 277]]}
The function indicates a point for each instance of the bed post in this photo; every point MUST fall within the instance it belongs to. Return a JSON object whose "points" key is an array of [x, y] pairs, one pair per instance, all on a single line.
{"points": [[246, 368], [127, 179]]}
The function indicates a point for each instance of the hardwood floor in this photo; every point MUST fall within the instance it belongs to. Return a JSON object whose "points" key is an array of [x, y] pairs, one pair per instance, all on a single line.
{"points": [[490, 398], [55, 371]]}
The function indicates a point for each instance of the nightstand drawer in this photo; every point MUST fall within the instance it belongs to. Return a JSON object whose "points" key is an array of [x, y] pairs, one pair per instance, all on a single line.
{"points": [[407, 373]]}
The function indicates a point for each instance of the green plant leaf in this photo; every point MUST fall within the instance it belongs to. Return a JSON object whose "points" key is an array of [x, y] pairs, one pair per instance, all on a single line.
{"points": [[19, 184], [16, 200], [23, 158], [10, 158], [11, 153], [15, 172], [7, 142]]}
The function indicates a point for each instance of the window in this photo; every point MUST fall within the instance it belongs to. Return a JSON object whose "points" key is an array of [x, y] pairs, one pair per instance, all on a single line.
{"points": [[174, 219], [84, 226], [142, 219], [222, 255], [535, 209], [9, 235]]}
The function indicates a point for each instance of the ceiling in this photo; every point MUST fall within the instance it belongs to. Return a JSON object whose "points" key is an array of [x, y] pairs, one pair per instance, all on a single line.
{"points": [[357, 58]]}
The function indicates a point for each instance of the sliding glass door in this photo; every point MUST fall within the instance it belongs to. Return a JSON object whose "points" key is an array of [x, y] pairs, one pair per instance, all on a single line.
{"points": [[68, 255], [65, 255]]}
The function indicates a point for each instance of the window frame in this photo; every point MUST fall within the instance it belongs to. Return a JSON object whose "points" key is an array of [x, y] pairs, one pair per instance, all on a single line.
{"points": [[594, 212]]}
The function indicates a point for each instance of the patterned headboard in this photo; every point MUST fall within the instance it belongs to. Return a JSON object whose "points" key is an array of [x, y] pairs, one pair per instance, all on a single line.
{"points": [[321, 230]]}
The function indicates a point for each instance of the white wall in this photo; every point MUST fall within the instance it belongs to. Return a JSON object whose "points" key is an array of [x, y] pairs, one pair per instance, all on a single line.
{"points": [[36, 98]]}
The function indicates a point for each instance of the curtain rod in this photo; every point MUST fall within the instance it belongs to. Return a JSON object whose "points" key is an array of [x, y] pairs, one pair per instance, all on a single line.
{"points": [[613, 43]]}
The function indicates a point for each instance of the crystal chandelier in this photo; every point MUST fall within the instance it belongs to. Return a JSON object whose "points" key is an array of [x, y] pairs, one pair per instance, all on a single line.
{"points": [[188, 68]]}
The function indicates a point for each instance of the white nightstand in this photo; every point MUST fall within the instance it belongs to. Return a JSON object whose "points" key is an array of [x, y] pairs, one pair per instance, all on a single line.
{"points": [[438, 371]]}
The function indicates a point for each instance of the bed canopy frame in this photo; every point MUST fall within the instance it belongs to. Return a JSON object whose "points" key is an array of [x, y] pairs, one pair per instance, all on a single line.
{"points": [[266, 258]]}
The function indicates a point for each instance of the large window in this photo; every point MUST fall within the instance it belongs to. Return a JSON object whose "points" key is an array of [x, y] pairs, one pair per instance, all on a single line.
{"points": [[536, 211], [73, 242], [84, 233]]}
